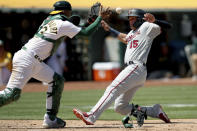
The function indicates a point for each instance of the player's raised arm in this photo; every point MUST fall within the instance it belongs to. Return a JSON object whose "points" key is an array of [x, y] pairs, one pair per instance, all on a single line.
{"points": [[121, 36], [151, 18]]}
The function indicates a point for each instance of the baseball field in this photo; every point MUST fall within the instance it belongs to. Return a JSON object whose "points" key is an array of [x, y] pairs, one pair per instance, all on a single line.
{"points": [[178, 98]]}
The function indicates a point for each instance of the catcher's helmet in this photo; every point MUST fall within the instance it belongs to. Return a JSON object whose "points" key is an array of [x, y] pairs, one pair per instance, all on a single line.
{"points": [[59, 6], [139, 14]]}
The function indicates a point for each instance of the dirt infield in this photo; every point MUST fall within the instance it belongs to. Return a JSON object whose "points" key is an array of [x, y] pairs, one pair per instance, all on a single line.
{"points": [[84, 85], [72, 125]]}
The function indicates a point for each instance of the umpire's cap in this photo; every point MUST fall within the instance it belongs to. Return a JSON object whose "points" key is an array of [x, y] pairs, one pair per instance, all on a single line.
{"points": [[59, 6], [136, 12]]}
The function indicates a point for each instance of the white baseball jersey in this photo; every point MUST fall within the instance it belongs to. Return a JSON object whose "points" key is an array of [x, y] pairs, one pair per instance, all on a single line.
{"points": [[25, 63], [139, 42], [55, 29], [124, 86]]}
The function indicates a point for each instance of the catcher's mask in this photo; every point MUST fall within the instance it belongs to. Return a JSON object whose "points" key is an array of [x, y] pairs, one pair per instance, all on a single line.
{"points": [[139, 14], [60, 6]]}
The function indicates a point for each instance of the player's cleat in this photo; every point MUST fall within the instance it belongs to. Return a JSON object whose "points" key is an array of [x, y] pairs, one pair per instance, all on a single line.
{"points": [[161, 114], [53, 122], [83, 116]]}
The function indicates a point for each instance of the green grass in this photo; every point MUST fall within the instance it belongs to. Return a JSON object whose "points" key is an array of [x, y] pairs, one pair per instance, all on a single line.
{"points": [[32, 105]]}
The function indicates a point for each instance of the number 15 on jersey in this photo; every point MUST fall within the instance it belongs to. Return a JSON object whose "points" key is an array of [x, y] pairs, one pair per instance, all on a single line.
{"points": [[134, 44]]}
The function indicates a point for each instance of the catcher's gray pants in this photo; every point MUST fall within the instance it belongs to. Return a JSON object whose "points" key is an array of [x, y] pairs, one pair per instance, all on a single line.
{"points": [[121, 90]]}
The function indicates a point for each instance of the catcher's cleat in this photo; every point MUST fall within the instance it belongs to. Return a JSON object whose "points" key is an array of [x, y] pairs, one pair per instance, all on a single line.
{"points": [[125, 122], [83, 116], [161, 114], [53, 122]]}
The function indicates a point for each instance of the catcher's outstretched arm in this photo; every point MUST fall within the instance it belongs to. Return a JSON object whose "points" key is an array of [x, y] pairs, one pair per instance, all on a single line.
{"points": [[88, 30]]}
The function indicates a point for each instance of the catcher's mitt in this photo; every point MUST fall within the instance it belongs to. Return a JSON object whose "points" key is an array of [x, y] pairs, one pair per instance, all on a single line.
{"points": [[94, 12]]}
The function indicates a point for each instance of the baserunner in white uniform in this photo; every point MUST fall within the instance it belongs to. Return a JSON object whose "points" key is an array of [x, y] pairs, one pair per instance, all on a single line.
{"points": [[28, 62], [144, 28]]}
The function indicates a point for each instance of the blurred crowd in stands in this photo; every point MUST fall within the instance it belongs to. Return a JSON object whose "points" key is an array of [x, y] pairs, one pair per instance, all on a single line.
{"points": [[173, 54]]}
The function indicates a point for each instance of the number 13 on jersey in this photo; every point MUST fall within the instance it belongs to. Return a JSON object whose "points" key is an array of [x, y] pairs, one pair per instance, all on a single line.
{"points": [[134, 44]]}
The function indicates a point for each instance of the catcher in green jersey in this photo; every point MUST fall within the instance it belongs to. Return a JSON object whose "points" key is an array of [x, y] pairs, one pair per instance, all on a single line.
{"points": [[28, 62]]}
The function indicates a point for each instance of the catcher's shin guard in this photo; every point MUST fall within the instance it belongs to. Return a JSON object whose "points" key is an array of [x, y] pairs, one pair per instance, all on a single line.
{"points": [[54, 94], [9, 95]]}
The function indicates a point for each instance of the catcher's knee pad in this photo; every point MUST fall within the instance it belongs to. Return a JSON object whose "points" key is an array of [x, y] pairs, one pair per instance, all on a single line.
{"points": [[55, 95], [8, 95]]}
